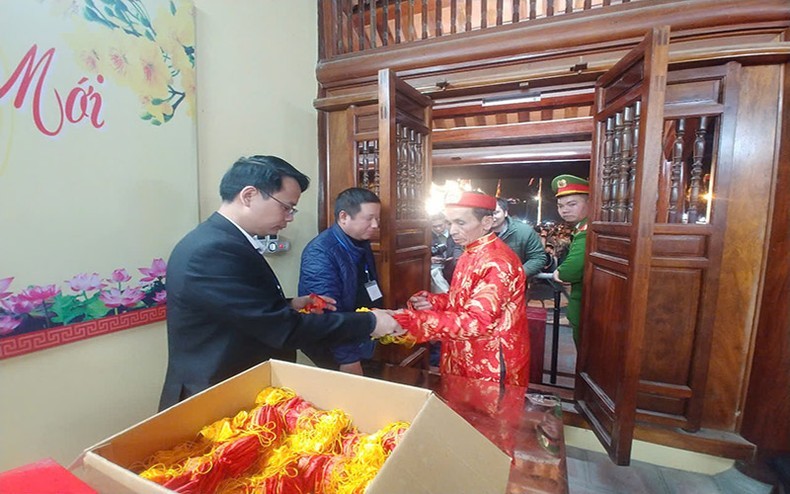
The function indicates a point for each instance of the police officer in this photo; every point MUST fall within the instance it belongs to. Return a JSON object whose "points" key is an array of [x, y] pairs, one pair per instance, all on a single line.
{"points": [[572, 195]]}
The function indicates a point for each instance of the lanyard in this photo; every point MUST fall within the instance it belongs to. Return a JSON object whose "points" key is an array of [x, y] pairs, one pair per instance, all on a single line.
{"points": [[350, 255]]}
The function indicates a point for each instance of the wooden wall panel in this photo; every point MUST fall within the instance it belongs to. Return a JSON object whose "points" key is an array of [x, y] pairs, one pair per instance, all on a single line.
{"points": [[673, 304], [340, 149], [699, 92], [409, 265], [766, 415], [614, 246], [747, 197], [679, 246], [366, 121], [669, 333], [610, 286]]}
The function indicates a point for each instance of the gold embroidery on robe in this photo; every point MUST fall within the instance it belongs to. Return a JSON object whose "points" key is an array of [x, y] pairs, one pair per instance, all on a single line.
{"points": [[484, 311]]}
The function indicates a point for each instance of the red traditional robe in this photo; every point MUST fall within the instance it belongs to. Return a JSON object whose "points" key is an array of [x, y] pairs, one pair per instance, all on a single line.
{"points": [[481, 318]]}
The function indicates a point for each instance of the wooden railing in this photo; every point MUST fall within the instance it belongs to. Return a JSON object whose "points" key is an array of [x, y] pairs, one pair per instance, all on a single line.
{"points": [[685, 192], [350, 26]]}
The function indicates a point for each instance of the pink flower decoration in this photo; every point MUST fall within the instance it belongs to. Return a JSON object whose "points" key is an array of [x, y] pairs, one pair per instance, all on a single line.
{"points": [[8, 324], [116, 298], [85, 282], [161, 297], [18, 305], [4, 283], [120, 276], [112, 297], [39, 294], [158, 269]]}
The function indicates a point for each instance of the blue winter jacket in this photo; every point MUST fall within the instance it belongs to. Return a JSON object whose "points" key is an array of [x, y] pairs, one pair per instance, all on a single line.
{"points": [[330, 264]]}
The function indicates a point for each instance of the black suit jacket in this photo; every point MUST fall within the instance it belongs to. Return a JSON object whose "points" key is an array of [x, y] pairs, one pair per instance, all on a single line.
{"points": [[226, 312]]}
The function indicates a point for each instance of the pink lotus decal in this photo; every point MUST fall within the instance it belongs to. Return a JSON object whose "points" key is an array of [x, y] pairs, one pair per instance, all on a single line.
{"points": [[85, 282], [119, 276], [17, 305], [4, 283], [116, 298], [8, 324], [161, 297], [39, 294], [158, 270], [87, 297]]}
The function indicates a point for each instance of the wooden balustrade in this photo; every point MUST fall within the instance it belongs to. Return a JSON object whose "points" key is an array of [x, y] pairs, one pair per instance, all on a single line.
{"points": [[351, 26], [685, 179], [685, 182]]}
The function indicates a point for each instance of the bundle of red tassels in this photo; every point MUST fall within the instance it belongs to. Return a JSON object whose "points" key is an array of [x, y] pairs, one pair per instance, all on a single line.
{"points": [[282, 446]]}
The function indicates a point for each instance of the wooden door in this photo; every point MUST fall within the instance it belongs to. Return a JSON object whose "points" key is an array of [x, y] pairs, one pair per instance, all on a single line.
{"points": [[404, 123], [624, 183]]}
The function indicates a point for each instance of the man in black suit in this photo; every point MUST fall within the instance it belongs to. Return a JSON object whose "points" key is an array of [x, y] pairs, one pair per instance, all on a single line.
{"points": [[226, 311]]}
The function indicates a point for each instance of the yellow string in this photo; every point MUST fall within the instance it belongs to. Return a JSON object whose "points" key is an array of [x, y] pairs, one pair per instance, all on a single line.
{"points": [[317, 432], [354, 474], [273, 396], [281, 461], [406, 339], [233, 486], [320, 432], [219, 431]]}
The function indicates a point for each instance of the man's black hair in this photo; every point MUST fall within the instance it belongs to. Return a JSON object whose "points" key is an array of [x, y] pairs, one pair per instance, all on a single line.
{"points": [[502, 203], [351, 201], [265, 173]]}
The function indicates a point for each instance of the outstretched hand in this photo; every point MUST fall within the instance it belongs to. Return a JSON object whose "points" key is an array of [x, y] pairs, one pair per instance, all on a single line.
{"points": [[385, 325], [418, 301], [314, 304], [556, 276]]}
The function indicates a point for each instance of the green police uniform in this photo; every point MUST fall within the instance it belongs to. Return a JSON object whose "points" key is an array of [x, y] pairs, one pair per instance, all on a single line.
{"points": [[572, 268], [571, 271]]}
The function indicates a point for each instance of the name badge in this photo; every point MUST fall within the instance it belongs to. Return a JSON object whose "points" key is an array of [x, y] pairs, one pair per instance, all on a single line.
{"points": [[373, 290]]}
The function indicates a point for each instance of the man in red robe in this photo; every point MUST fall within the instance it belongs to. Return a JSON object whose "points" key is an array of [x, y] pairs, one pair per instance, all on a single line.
{"points": [[482, 320]]}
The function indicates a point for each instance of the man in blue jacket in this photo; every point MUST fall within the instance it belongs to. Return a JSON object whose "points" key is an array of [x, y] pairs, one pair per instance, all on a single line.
{"points": [[339, 263]]}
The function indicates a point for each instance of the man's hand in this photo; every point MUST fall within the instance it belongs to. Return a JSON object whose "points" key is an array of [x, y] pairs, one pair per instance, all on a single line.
{"points": [[420, 302], [385, 325], [556, 276], [315, 304]]}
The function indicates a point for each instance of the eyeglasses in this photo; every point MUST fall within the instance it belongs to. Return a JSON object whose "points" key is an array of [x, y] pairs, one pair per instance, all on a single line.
{"points": [[289, 210]]}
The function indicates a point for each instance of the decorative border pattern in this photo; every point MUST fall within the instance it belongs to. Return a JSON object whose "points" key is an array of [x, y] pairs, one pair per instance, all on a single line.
{"points": [[22, 344]]}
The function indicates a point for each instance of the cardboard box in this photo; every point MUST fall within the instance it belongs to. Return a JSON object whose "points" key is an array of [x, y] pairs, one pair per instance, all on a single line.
{"points": [[440, 453]]}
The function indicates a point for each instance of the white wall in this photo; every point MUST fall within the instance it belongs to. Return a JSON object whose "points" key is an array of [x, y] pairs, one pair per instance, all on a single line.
{"points": [[256, 82], [56, 402]]}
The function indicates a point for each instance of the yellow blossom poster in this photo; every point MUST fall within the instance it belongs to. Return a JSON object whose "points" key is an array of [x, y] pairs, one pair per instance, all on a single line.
{"points": [[98, 164]]}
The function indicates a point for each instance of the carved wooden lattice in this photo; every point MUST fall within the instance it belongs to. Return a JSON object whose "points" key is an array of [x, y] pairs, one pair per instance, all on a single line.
{"points": [[690, 168], [359, 25], [688, 144], [410, 175], [696, 170], [368, 165], [619, 165], [676, 200]]}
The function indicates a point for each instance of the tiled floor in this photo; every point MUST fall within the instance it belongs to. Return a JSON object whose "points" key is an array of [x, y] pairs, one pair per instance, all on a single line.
{"points": [[591, 472]]}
